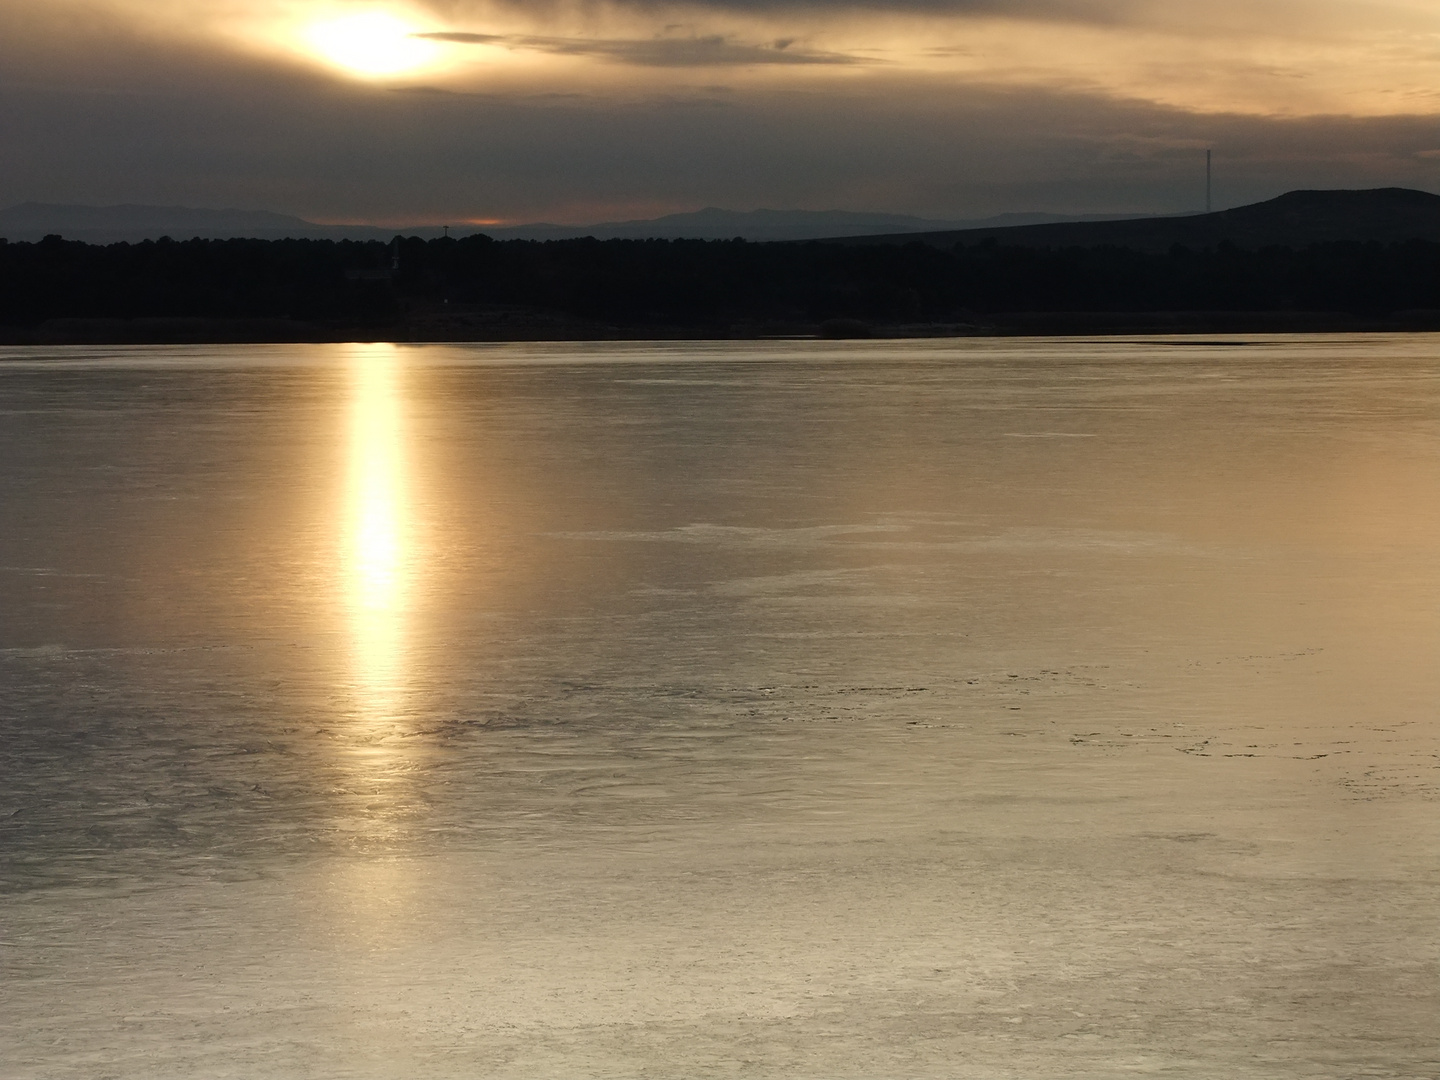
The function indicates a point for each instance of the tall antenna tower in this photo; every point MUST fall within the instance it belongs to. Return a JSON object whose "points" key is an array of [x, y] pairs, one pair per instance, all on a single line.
{"points": [[1207, 181]]}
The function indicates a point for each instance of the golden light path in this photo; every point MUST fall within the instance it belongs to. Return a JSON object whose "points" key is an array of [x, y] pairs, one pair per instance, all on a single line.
{"points": [[369, 894], [378, 556]]}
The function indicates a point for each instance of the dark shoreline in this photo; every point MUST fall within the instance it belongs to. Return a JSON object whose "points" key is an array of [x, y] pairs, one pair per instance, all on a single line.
{"points": [[511, 326], [58, 292]]}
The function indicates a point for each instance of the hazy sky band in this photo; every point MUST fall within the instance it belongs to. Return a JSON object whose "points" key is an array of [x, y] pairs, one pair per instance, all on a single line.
{"points": [[586, 112]]}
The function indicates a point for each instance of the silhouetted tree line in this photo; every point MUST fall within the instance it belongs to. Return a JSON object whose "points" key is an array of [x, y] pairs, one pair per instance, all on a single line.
{"points": [[692, 283]]}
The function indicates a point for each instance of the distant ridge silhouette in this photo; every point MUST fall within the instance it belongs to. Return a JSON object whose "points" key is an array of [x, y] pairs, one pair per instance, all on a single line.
{"points": [[135, 223], [109, 224], [1295, 219]]}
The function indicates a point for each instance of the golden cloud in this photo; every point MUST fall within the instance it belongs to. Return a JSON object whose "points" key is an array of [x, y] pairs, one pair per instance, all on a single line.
{"points": [[1269, 58]]}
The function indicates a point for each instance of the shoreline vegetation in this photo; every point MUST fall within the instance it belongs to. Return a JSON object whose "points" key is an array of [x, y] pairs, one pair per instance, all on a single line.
{"points": [[522, 326], [1305, 262]]}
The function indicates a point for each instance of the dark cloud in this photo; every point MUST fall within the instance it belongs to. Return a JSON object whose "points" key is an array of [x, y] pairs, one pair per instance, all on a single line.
{"points": [[1086, 11], [708, 51], [466, 39]]}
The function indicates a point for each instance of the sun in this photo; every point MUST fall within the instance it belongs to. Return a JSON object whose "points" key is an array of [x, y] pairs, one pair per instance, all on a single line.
{"points": [[372, 45]]}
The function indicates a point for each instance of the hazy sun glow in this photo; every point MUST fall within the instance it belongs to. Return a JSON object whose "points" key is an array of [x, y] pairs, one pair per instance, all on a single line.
{"points": [[372, 44]]}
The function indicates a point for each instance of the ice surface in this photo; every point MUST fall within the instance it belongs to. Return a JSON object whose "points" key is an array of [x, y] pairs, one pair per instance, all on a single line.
{"points": [[950, 709]]}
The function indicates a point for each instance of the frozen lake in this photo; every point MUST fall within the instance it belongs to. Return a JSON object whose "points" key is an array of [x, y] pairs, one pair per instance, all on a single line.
{"points": [[977, 709]]}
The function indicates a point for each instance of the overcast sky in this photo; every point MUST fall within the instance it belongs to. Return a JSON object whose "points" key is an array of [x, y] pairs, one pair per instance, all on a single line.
{"points": [[473, 110]]}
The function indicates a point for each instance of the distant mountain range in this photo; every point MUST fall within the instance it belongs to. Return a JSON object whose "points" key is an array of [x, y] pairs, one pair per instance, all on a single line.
{"points": [[113, 224], [1295, 219]]}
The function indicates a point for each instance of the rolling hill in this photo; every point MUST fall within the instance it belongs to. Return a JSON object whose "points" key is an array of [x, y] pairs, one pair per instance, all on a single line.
{"points": [[1296, 219]]}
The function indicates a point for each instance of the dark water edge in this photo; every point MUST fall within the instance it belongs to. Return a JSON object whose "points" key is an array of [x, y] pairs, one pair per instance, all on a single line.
{"points": [[508, 324]]}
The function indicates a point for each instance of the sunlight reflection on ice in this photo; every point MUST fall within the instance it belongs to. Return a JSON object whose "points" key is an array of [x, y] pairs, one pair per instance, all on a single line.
{"points": [[377, 548]]}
